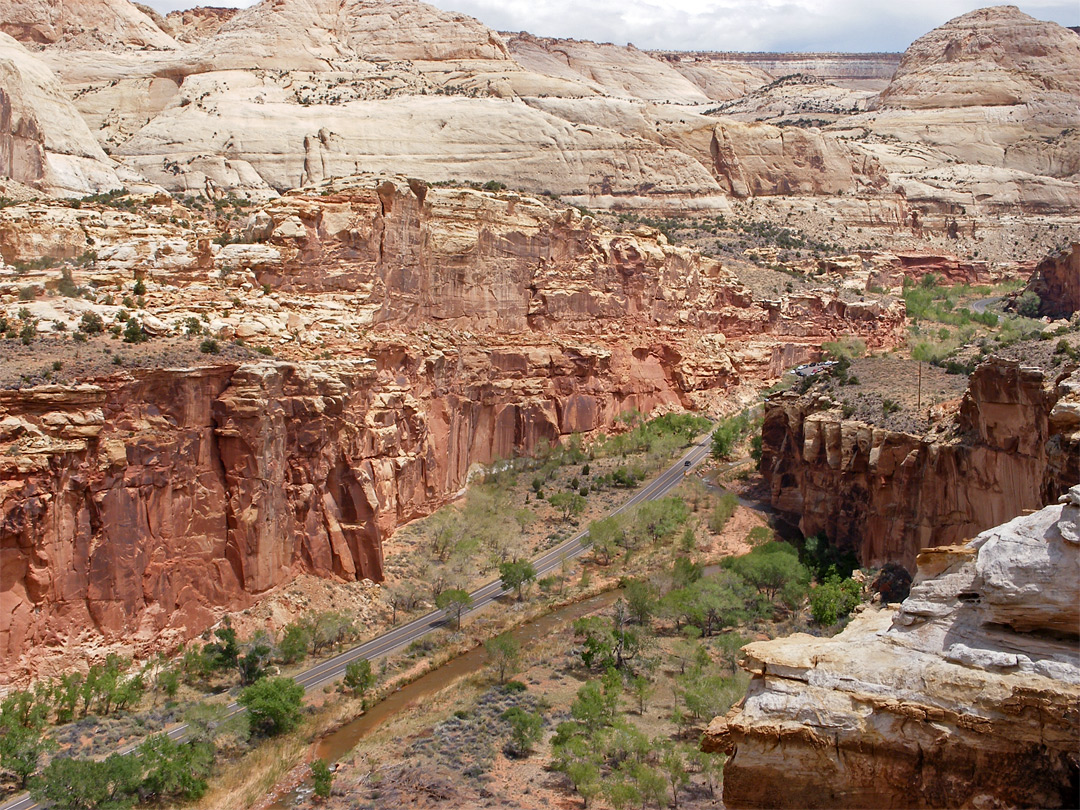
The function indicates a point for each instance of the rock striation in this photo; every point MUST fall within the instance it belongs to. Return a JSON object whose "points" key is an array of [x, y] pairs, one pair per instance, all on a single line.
{"points": [[1056, 280], [965, 695], [186, 103], [987, 57], [137, 507], [457, 326], [1012, 446], [44, 142]]}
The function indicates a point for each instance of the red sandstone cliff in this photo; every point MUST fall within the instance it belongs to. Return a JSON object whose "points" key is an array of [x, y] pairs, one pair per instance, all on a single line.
{"points": [[1056, 280], [137, 505], [1013, 446], [466, 325]]}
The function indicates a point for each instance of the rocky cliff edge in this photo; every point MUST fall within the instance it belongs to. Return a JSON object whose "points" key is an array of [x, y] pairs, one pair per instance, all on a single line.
{"points": [[966, 695]]}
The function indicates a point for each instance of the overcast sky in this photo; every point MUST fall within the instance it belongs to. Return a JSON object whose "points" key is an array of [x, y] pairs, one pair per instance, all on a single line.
{"points": [[730, 25]]}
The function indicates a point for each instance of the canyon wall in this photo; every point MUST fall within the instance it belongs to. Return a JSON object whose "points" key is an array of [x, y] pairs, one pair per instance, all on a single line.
{"points": [[1013, 446], [966, 695], [1056, 280], [135, 506]]}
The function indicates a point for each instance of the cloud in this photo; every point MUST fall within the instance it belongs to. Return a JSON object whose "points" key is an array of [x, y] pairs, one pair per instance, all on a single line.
{"points": [[726, 25]]}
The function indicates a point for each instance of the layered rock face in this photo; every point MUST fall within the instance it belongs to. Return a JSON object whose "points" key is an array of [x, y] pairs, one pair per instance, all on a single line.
{"points": [[1056, 281], [966, 695], [279, 95], [135, 507], [470, 325], [1012, 446], [44, 142], [988, 57]]}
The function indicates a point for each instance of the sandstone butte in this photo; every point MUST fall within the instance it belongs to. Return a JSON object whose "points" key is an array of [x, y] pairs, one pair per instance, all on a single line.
{"points": [[965, 695]]}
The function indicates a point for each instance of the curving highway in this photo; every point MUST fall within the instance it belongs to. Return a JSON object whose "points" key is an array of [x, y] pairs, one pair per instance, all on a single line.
{"points": [[400, 637]]}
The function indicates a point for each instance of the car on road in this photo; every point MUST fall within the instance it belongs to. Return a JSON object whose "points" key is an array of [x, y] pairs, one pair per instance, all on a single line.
{"points": [[810, 369]]}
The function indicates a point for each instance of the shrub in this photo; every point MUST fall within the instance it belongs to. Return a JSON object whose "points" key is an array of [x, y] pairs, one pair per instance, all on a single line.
{"points": [[722, 512], [322, 779], [133, 332], [1028, 304], [210, 346], [91, 323], [359, 676], [834, 599], [67, 286]]}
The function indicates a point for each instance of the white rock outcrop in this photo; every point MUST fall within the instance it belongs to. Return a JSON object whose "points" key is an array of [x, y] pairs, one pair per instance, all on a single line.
{"points": [[966, 695]]}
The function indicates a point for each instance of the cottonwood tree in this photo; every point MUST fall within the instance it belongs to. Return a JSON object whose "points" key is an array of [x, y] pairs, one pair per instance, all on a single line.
{"points": [[503, 653], [454, 602]]}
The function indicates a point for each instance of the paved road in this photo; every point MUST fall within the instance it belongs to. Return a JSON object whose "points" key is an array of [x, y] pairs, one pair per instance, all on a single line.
{"points": [[400, 637], [981, 305]]}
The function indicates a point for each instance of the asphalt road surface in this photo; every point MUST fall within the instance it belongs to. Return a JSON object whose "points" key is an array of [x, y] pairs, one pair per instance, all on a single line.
{"points": [[400, 637]]}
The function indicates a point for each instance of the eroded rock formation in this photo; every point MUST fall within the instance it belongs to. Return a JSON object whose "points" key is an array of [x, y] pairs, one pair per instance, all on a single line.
{"points": [[1056, 280], [44, 142], [1012, 446], [466, 325], [966, 695], [136, 506]]}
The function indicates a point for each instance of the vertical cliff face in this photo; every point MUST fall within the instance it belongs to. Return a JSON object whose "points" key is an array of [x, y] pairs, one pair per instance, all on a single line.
{"points": [[1056, 280], [886, 494], [133, 508], [968, 695]]}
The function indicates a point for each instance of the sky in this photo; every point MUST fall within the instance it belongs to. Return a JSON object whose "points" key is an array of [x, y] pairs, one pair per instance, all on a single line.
{"points": [[724, 25]]}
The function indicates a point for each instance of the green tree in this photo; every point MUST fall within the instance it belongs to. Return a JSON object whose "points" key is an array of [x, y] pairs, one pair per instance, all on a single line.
{"points": [[223, 653], [1028, 304], [293, 647], [580, 761], [594, 707], [730, 645], [174, 771], [642, 689], [654, 520], [273, 704], [673, 765], [91, 323], [774, 569], [87, 784], [605, 537], [454, 602], [642, 599], [252, 664], [609, 642], [21, 749], [710, 766], [834, 599], [526, 728], [322, 779], [621, 793], [359, 676], [503, 653], [570, 503], [722, 512], [651, 784], [517, 574]]}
